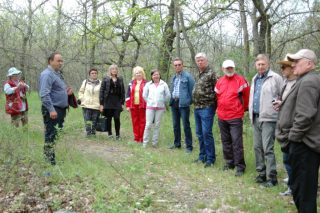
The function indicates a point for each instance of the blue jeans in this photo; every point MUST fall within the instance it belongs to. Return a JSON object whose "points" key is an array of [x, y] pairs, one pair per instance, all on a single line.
{"points": [[204, 122], [184, 114]]}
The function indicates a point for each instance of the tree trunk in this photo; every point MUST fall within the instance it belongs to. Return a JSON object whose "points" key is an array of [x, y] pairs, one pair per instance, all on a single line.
{"points": [[58, 25], [176, 17], [244, 27], [93, 42], [166, 45]]}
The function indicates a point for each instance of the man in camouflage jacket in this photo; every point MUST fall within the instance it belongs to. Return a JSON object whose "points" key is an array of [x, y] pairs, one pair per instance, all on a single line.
{"points": [[204, 100]]}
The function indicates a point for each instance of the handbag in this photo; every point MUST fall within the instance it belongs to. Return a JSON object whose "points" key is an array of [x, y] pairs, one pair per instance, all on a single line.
{"points": [[101, 124], [72, 101]]}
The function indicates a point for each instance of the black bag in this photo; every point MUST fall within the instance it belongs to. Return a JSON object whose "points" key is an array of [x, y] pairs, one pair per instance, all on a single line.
{"points": [[72, 101], [101, 124]]}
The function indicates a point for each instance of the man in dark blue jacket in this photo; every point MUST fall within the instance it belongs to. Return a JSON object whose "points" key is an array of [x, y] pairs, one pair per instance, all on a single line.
{"points": [[181, 98]]}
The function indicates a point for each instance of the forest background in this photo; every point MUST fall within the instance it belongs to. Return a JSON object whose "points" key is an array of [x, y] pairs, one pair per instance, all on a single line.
{"points": [[150, 33]]}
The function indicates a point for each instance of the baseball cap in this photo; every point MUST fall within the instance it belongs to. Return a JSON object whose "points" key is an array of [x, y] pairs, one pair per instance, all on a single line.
{"points": [[228, 63], [303, 53]]}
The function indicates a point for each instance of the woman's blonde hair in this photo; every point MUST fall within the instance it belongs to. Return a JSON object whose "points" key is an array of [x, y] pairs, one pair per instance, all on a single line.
{"points": [[113, 66], [136, 70]]}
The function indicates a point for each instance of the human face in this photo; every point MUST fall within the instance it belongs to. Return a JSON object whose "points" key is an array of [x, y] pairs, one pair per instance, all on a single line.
{"points": [[229, 71], [262, 66], [93, 75], [286, 71], [178, 66], [156, 77], [202, 63], [138, 76], [113, 71], [301, 66], [57, 62]]}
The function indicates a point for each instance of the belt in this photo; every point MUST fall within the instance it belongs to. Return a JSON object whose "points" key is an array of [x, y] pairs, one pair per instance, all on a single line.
{"points": [[256, 115], [176, 99]]}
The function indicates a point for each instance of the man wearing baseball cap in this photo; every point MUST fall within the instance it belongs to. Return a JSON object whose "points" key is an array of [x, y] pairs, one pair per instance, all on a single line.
{"points": [[302, 106], [232, 92]]}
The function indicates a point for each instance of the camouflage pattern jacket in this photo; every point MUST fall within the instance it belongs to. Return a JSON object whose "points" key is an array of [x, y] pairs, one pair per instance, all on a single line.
{"points": [[203, 94]]}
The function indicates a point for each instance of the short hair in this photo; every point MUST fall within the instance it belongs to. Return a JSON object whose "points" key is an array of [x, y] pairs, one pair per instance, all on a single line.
{"points": [[93, 69], [201, 55], [113, 66], [177, 59], [136, 70], [263, 57], [52, 55], [153, 71]]}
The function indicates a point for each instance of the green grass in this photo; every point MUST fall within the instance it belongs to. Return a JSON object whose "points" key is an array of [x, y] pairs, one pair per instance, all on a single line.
{"points": [[100, 175]]}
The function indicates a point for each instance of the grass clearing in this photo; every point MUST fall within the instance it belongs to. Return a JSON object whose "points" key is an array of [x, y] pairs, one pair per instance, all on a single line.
{"points": [[102, 175]]}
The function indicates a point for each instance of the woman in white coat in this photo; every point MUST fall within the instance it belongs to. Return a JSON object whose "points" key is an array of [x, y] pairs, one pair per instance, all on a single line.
{"points": [[156, 93], [89, 101]]}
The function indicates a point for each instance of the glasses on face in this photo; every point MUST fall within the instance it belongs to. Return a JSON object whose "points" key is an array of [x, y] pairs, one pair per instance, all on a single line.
{"points": [[178, 65]]}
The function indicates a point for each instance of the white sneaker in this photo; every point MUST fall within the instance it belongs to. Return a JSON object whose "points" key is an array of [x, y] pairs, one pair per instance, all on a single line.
{"points": [[286, 193], [286, 180]]}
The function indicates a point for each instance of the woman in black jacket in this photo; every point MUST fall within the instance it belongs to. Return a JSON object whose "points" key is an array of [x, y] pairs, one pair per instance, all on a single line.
{"points": [[112, 97]]}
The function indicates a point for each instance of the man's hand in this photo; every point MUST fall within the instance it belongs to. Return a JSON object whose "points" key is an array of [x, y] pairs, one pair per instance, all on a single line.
{"points": [[69, 91], [53, 115], [101, 108], [276, 105]]}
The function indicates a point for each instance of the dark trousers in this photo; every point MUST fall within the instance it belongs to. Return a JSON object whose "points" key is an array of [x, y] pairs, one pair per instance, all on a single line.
{"points": [[90, 119], [183, 113], [305, 167], [232, 142], [51, 130], [115, 113]]}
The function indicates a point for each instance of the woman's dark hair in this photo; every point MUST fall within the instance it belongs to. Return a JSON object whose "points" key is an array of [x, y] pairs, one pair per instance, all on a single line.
{"points": [[52, 55], [153, 71], [93, 69]]}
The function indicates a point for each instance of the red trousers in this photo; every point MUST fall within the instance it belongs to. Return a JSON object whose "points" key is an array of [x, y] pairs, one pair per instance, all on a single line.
{"points": [[138, 117]]}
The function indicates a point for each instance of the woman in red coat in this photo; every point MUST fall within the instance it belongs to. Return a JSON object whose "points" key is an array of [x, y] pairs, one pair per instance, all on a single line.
{"points": [[136, 104]]}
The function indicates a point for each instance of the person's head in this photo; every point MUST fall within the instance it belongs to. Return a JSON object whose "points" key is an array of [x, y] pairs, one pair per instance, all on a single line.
{"points": [[155, 76], [93, 73], [138, 73], [55, 61], [113, 70], [228, 68], [13, 73], [303, 61], [286, 68], [201, 61], [262, 63], [178, 65]]}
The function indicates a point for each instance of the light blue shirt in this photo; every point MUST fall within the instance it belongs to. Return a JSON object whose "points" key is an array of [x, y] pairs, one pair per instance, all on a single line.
{"points": [[257, 91], [176, 86], [53, 89]]}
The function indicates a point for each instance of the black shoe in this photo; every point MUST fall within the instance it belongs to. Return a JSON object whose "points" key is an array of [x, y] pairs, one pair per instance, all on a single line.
{"points": [[239, 173], [261, 179], [206, 165], [175, 147], [118, 138], [270, 183], [227, 167]]}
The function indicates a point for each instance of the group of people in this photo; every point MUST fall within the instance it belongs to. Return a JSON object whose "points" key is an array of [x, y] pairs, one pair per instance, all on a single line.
{"points": [[284, 108]]}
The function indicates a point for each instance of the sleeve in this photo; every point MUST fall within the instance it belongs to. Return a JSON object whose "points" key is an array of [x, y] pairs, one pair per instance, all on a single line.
{"points": [[191, 84], [8, 89], [128, 95], [246, 95], [305, 110], [167, 92], [145, 93], [102, 91], [81, 90], [122, 92], [45, 88]]}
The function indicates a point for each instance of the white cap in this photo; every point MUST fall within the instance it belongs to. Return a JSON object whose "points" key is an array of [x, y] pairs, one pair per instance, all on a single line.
{"points": [[13, 71], [228, 63], [303, 53]]}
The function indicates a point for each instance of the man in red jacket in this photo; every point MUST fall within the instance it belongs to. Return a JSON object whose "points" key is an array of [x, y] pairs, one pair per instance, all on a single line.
{"points": [[233, 96]]}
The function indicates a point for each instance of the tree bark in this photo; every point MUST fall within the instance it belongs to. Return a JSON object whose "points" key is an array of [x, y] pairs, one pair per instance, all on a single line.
{"points": [[244, 27]]}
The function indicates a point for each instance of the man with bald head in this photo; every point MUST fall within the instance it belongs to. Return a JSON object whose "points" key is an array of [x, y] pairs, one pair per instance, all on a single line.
{"points": [[302, 106]]}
